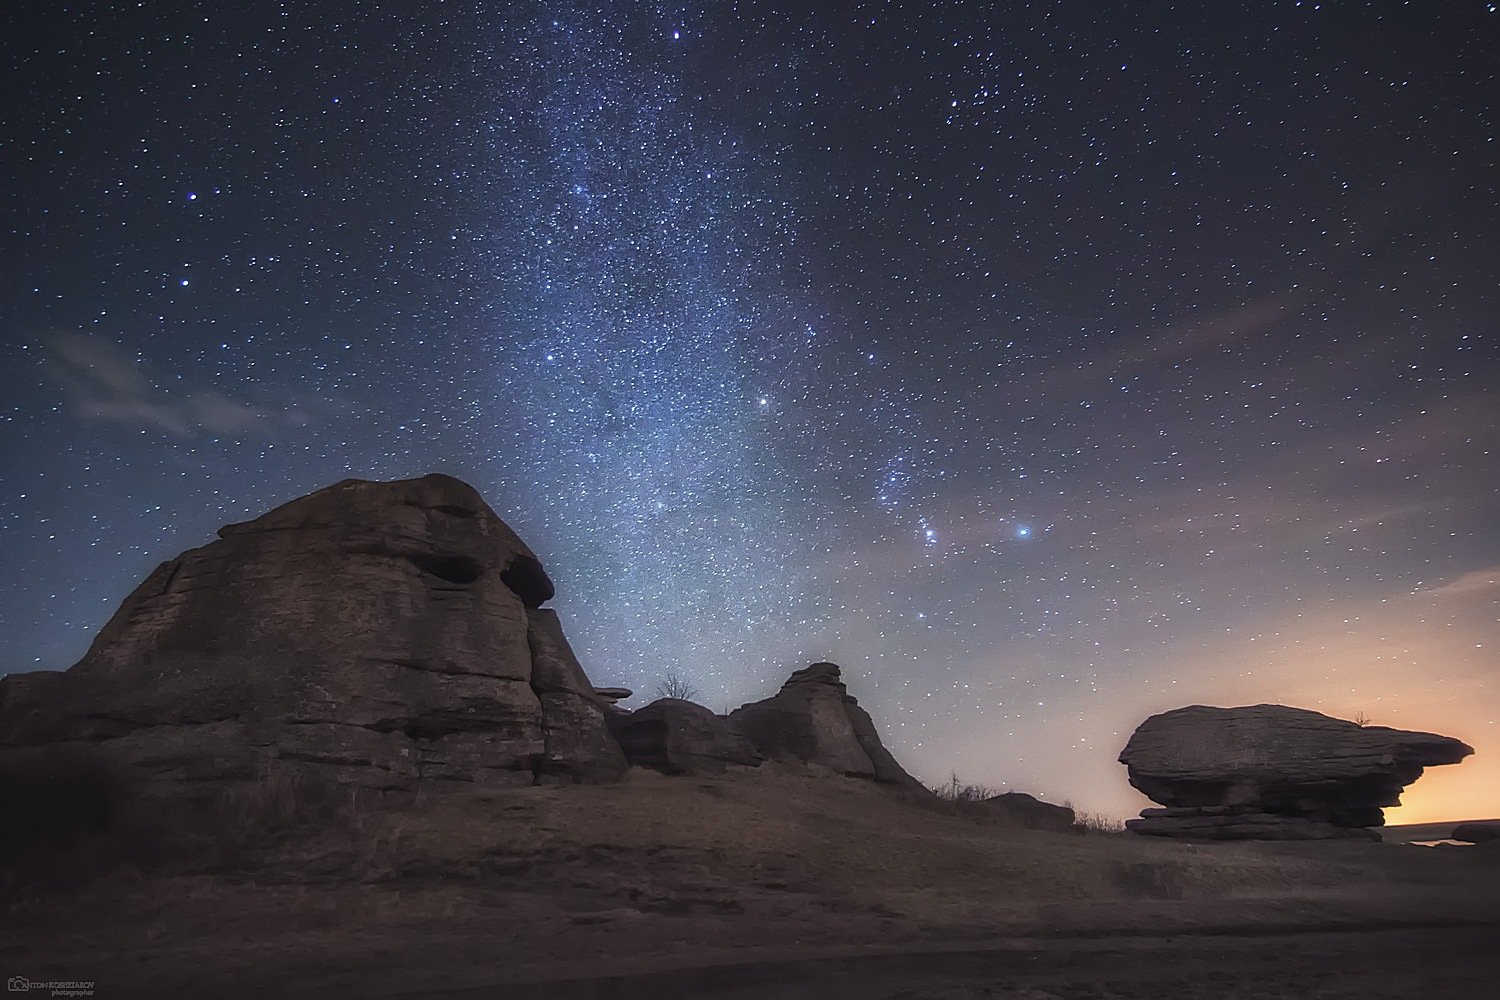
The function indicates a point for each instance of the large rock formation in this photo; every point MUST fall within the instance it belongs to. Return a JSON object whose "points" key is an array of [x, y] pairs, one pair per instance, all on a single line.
{"points": [[814, 720], [380, 633], [1272, 772], [680, 737]]}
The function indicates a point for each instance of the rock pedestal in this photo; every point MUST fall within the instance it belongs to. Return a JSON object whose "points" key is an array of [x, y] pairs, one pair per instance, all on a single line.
{"points": [[1272, 772], [383, 634]]}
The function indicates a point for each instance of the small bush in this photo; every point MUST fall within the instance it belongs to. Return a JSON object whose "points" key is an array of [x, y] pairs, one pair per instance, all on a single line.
{"points": [[241, 823], [675, 685], [967, 801], [955, 791], [1099, 823], [284, 802]]}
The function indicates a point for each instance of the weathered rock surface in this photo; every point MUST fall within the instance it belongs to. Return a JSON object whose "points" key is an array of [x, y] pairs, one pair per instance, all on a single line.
{"points": [[1239, 823], [814, 720], [607, 696], [1030, 811], [383, 633], [1272, 772], [680, 737], [1478, 833]]}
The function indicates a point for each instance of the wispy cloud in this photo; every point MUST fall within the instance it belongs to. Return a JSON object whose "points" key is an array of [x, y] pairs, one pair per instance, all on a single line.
{"points": [[1474, 582], [103, 383]]}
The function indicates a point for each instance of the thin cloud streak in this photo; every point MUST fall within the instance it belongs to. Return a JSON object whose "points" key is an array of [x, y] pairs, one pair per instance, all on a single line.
{"points": [[103, 383]]}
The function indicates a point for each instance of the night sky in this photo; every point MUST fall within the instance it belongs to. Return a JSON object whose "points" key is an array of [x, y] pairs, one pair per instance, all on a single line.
{"points": [[1046, 365]]}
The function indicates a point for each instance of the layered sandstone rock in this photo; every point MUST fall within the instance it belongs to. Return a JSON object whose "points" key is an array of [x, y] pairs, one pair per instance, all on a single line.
{"points": [[814, 720], [680, 737], [1272, 772], [384, 634]]}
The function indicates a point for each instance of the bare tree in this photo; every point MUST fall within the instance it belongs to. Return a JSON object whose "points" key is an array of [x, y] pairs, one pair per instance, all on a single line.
{"points": [[1361, 719], [674, 685]]}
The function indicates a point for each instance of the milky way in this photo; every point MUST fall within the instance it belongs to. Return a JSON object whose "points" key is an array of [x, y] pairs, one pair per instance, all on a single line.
{"points": [[1045, 367]]}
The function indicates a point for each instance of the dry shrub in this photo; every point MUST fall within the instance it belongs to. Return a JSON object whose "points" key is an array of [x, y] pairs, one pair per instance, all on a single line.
{"points": [[966, 801], [285, 802], [242, 824], [954, 790], [1097, 823]]}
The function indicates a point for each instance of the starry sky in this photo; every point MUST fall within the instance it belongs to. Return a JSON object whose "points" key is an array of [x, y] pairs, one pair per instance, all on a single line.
{"points": [[1044, 364]]}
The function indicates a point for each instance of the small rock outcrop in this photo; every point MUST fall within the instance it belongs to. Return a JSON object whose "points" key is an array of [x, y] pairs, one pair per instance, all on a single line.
{"points": [[814, 720], [680, 737], [1031, 812], [1272, 772], [610, 695], [1478, 833], [382, 633]]}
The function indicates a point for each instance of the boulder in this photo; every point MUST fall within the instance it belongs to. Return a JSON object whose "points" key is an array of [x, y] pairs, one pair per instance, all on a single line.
{"points": [[1269, 771], [1478, 833], [679, 737], [1030, 811], [382, 634], [814, 720]]}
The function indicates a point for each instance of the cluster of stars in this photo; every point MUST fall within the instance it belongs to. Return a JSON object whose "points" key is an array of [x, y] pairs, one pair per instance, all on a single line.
{"points": [[1045, 367]]}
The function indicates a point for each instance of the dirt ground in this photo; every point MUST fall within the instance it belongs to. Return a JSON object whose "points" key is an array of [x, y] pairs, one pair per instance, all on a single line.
{"points": [[763, 883]]}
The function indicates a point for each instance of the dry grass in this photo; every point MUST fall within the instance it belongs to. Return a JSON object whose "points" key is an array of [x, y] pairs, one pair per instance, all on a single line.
{"points": [[1097, 822], [71, 816], [245, 827], [68, 816], [667, 869]]}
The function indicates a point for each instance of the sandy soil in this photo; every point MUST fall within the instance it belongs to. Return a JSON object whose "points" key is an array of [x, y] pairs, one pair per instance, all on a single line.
{"points": [[763, 883]]}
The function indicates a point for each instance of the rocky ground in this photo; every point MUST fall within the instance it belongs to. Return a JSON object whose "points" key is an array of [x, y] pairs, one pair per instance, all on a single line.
{"points": [[772, 882]]}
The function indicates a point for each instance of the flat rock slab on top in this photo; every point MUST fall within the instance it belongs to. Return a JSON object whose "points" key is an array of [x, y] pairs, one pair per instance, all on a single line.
{"points": [[382, 633], [1239, 770]]}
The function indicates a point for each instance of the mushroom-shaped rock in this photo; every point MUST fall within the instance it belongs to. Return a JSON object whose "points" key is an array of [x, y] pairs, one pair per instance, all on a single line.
{"points": [[1242, 772], [814, 720], [680, 737], [382, 633]]}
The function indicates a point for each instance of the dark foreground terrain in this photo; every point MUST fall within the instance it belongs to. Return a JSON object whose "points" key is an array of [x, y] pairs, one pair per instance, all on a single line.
{"points": [[765, 883]]}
